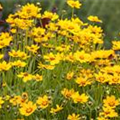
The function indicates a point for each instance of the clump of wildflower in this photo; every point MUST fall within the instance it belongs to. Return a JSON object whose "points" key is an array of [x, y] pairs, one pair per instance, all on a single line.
{"points": [[57, 109], [74, 3], [74, 117], [27, 108], [94, 19], [43, 102]]}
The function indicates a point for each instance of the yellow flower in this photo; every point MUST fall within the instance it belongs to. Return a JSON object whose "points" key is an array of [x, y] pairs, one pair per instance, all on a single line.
{"points": [[32, 48], [111, 101], [116, 45], [1, 102], [57, 109], [27, 108], [108, 112], [101, 77], [53, 59], [49, 67], [63, 48], [81, 81], [5, 39], [82, 56], [102, 54], [23, 55], [73, 117], [19, 63], [15, 100], [37, 77], [18, 100], [43, 102], [29, 11], [26, 77], [50, 15], [14, 53], [67, 93], [70, 57], [70, 75], [19, 54], [94, 19], [74, 3], [114, 79], [5, 66], [77, 98], [13, 30]]}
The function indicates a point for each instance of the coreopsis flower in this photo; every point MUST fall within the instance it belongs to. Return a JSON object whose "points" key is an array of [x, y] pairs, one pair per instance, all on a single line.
{"points": [[13, 30], [94, 19], [86, 73], [96, 30], [52, 27], [116, 45], [14, 53], [74, 3], [77, 98], [18, 54], [83, 81], [29, 11], [1, 101], [42, 66], [23, 55], [67, 93], [63, 48], [19, 63], [77, 21], [108, 112], [102, 77], [57, 109], [25, 76], [53, 59], [43, 102], [114, 79], [37, 77], [27, 108], [74, 117], [111, 101], [17, 100], [102, 54], [82, 56], [70, 75], [4, 66], [50, 15], [5, 39], [111, 69], [23, 24], [33, 48], [37, 32], [70, 57]]}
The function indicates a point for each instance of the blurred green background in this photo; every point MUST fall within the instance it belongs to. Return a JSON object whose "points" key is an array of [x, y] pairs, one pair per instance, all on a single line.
{"points": [[107, 10]]}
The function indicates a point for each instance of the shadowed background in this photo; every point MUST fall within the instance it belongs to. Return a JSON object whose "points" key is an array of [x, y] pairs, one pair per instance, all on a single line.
{"points": [[107, 10]]}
